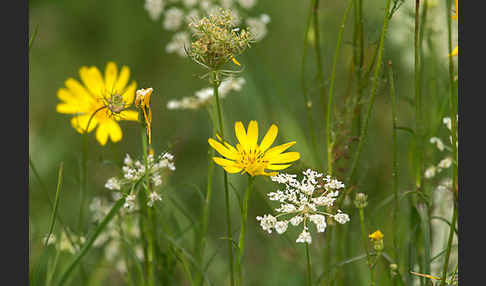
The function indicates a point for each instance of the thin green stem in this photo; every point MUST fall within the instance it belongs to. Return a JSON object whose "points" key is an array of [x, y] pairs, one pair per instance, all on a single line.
{"points": [[358, 59], [453, 112], [216, 84], [373, 93], [309, 266], [317, 49], [365, 245], [329, 140], [396, 210], [418, 99], [307, 101], [91, 239], [149, 213], [206, 207], [244, 216]]}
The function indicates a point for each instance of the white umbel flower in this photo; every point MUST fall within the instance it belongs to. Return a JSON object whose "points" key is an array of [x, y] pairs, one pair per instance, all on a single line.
{"points": [[113, 184], [303, 201], [438, 143]]}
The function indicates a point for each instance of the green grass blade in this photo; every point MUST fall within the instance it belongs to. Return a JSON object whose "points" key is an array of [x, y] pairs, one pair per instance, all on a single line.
{"points": [[56, 204], [90, 241]]}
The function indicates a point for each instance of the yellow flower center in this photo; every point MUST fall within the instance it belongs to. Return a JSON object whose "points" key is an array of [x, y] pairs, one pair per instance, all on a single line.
{"points": [[252, 161]]}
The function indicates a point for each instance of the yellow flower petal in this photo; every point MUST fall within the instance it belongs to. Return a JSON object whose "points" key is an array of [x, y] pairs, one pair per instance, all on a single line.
{"points": [[93, 80], [130, 115], [123, 78], [129, 93], [284, 158], [252, 134], [279, 149], [111, 74], [80, 123], [232, 169], [269, 138], [241, 134], [455, 52], [108, 128], [222, 150], [224, 162], [278, 167]]}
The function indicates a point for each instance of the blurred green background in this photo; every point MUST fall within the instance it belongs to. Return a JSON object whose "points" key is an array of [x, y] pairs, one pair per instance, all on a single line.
{"points": [[72, 34]]}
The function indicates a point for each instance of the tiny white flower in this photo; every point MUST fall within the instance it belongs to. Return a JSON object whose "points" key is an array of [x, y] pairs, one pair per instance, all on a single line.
{"points": [[320, 222], [129, 202], [113, 184], [304, 237], [127, 160], [247, 4], [445, 163], [267, 222], [341, 218], [154, 8], [437, 142], [430, 172], [173, 19], [296, 220], [281, 226], [447, 121], [152, 198]]}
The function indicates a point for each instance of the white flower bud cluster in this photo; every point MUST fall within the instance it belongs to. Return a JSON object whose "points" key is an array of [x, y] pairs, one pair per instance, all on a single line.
{"points": [[445, 163], [177, 14], [204, 96], [133, 171], [303, 201]]}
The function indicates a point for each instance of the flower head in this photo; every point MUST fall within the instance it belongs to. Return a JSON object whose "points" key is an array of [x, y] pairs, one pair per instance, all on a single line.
{"points": [[142, 101], [217, 40], [303, 201], [377, 235], [250, 157], [101, 101]]}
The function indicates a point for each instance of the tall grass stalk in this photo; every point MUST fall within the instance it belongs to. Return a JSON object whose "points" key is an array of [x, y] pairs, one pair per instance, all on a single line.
{"points": [[148, 212], [453, 113], [309, 266], [244, 216], [373, 92], [365, 245], [358, 59], [329, 140], [207, 203], [307, 101], [216, 82], [396, 209]]}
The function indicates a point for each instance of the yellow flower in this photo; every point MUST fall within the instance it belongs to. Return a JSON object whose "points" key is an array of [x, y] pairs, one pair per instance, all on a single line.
{"points": [[250, 157], [377, 235], [455, 52], [99, 102], [142, 101]]}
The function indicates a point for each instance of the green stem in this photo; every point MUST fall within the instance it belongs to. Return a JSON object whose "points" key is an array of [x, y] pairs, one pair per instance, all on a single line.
{"points": [[307, 101], [358, 57], [149, 213], [373, 93], [309, 267], [216, 84], [331, 89], [365, 245], [418, 100], [90, 241], [207, 202], [453, 112], [395, 161], [244, 216]]}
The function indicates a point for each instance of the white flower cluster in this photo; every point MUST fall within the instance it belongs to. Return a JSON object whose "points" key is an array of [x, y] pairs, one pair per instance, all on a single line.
{"points": [[177, 14], [303, 201], [111, 239], [205, 96], [445, 163], [133, 171]]}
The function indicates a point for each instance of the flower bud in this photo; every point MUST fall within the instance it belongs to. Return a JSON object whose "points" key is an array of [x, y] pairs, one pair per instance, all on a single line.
{"points": [[361, 200]]}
